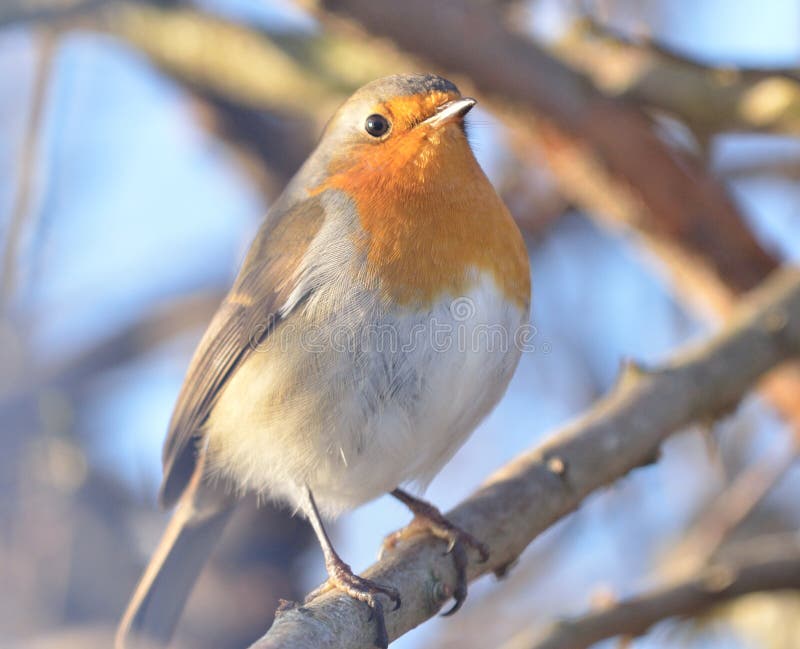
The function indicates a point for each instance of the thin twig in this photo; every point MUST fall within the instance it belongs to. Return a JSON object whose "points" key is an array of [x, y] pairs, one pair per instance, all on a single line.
{"points": [[132, 340], [26, 166]]}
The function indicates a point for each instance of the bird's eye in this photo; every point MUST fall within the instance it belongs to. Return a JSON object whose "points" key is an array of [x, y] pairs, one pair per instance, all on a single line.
{"points": [[377, 125]]}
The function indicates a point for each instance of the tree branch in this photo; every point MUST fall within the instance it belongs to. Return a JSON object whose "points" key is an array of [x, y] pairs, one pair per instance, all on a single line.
{"points": [[71, 376], [522, 499], [45, 11], [708, 100], [787, 167], [710, 586], [673, 54], [27, 166], [726, 512]]}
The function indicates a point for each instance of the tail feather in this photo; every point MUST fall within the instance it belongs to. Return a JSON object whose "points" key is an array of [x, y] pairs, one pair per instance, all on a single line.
{"points": [[161, 594]]}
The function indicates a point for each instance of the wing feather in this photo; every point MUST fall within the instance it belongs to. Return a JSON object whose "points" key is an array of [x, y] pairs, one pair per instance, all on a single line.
{"points": [[246, 316]]}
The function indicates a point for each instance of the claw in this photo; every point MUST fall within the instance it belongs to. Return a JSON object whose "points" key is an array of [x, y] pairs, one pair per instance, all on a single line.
{"points": [[429, 519], [460, 593], [364, 590], [453, 608], [381, 635]]}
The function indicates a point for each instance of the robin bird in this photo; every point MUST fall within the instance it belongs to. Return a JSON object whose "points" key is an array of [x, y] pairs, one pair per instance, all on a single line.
{"points": [[357, 349]]}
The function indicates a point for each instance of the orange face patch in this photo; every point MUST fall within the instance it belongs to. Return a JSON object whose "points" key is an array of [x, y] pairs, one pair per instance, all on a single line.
{"points": [[409, 146], [428, 211]]}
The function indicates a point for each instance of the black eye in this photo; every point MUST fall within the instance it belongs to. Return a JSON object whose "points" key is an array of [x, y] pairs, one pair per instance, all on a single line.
{"points": [[376, 125]]}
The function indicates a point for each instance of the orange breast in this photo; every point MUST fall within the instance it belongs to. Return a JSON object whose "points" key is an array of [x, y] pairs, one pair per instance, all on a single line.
{"points": [[430, 216]]}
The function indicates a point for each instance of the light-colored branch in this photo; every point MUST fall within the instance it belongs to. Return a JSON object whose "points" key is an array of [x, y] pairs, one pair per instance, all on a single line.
{"points": [[787, 167], [254, 71], [303, 75], [669, 53], [710, 586], [708, 101], [522, 499], [691, 258], [267, 97], [45, 11], [727, 511], [27, 165], [163, 323]]}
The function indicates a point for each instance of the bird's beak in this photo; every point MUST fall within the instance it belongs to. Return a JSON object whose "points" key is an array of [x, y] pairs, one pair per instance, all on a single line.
{"points": [[450, 112]]}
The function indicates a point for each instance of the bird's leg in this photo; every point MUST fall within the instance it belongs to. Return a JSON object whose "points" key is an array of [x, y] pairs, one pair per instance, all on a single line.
{"points": [[341, 577], [428, 518]]}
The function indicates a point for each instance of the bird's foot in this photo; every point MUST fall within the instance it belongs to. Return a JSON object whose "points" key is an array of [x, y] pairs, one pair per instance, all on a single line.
{"points": [[341, 577], [428, 519]]}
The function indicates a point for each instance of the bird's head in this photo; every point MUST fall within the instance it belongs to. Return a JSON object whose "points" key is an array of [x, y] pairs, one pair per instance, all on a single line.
{"points": [[403, 130]]}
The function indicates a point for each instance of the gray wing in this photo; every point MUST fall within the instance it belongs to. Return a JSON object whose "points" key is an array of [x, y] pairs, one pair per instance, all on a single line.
{"points": [[246, 316]]}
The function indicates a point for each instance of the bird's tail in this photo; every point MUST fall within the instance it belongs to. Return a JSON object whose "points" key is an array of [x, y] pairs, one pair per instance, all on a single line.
{"points": [[159, 598]]}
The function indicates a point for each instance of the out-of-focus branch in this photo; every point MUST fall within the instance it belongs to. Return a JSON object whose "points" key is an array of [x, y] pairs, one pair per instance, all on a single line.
{"points": [[782, 167], [708, 100], [525, 497], [710, 586], [269, 147], [612, 203], [131, 341], [304, 75], [267, 95], [43, 11], [254, 70], [667, 52], [727, 511], [26, 167]]}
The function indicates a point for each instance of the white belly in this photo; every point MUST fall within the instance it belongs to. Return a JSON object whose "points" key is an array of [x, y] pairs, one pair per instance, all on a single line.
{"points": [[354, 411]]}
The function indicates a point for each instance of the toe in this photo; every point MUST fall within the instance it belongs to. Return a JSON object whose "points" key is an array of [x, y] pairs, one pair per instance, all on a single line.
{"points": [[394, 595], [319, 590], [381, 635], [460, 591], [390, 592]]}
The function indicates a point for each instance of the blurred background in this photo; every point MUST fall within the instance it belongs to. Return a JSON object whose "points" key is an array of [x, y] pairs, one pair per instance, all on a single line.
{"points": [[142, 141]]}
